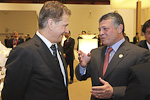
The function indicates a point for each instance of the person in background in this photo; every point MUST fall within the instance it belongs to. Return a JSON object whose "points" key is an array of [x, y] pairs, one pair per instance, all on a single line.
{"points": [[36, 69], [146, 31], [21, 39], [28, 37], [69, 54], [95, 36], [136, 39], [138, 84], [83, 32], [25, 37], [108, 65], [79, 37], [9, 43], [126, 37], [6, 41], [99, 41], [13, 42]]}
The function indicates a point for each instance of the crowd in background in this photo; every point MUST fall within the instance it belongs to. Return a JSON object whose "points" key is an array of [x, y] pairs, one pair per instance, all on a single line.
{"points": [[13, 41], [40, 67]]}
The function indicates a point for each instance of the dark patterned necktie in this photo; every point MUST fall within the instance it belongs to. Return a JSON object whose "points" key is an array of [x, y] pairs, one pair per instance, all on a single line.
{"points": [[53, 47]]}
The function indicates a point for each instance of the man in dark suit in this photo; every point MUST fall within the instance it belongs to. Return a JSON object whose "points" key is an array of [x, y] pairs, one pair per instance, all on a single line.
{"points": [[79, 37], [138, 85], [109, 79], [146, 31], [36, 69], [28, 37], [21, 39], [15, 40], [136, 39], [6, 41], [126, 37], [69, 54]]}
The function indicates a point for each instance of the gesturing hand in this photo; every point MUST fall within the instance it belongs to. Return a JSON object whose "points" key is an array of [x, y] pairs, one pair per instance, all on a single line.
{"points": [[83, 58], [102, 92]]}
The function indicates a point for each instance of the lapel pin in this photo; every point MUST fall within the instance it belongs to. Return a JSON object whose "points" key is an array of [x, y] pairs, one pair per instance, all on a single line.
{"points": [[121, 55]]}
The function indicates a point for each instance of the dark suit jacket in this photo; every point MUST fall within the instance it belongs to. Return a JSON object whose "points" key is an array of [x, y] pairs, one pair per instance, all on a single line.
{"points": [[33, 73], [142, 44], [127, 38], [116, 74], [6, 42], [10, 42], [138, 87], [135, 39], [28, 38], [69, 50]]}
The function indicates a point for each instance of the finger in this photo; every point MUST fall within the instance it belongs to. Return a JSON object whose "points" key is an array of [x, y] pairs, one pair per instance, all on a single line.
{"points": [[97, 95], [79, 51], [102, 81], [80, 60], [89, 54], [97, 88], [97, 91]]}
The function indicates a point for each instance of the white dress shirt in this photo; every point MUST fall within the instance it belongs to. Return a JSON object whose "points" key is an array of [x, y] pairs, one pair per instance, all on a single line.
{"points": [[49, 44], [148, 45]]}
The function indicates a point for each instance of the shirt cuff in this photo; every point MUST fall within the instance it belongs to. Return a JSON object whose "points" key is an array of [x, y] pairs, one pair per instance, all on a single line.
{"points": [[82, 70]]}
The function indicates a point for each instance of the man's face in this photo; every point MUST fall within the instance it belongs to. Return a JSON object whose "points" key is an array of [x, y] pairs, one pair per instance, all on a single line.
{"points": [[109, 35], [15, 34], [67, 35], [60, 28], [147, 34], [83, 33]]}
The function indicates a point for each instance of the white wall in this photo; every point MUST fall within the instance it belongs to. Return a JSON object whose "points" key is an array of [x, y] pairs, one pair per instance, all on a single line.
{"points": [[84, 17]]}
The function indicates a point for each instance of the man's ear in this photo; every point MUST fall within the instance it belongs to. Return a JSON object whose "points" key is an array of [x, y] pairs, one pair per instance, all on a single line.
{"points": [[51, 24], [120, 28]]}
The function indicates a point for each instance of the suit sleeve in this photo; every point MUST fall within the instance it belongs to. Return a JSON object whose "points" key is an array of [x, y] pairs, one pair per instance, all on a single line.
{"points": [[18, 71], [134, 90], [78, 74], [142, 57]]}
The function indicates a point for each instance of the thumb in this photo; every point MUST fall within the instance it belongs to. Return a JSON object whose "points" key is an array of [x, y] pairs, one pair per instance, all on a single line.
{"points": [[102, 81], [89, 54]]}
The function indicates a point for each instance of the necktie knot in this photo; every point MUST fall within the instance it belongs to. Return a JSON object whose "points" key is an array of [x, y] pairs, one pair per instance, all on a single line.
{"points": [[53, 47], [109, 49]]}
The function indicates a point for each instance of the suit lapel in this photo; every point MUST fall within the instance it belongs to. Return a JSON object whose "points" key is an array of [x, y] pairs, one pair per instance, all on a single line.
{"points": [[64, 62], [48, 57], [100, 62], [145, 45], [120, 54]]}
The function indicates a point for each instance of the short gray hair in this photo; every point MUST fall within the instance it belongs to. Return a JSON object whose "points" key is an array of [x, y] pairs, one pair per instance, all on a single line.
{"points": [[53, 10]]}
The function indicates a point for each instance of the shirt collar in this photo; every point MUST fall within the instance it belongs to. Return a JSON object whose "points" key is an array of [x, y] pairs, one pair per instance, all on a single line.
{"points": [[117, 45], [148, 45], [47, 42]]}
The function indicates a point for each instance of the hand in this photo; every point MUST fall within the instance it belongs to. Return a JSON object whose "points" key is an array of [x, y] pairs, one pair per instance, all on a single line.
{"points": [[83, 58], [102, 92], [64, 55]]}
